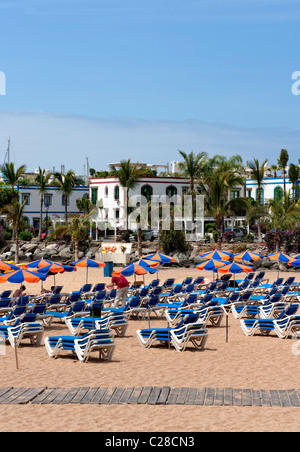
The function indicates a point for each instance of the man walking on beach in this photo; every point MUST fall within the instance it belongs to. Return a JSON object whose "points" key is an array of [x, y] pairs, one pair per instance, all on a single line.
{"points": [[122, 289]]}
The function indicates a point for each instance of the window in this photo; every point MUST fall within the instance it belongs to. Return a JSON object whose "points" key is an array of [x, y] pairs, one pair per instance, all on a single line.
{"points": [[117, 193], [26, 199], [47, 200], [260, 195], [94, 195], [117, 214], [106, 191], [171, 191], [278, 194], [147, 192], [185, 190], [235, 194]]}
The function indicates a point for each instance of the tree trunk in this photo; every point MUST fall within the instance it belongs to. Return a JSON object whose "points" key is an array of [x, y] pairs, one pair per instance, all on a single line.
{"points": [[41, 219], [76, 249], [66, 207], [219, 224], [17, 246]]}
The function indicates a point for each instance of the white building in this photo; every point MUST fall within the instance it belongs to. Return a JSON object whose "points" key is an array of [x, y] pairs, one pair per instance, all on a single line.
{"points": [[53, 206], [110, 197], [271, 188]]}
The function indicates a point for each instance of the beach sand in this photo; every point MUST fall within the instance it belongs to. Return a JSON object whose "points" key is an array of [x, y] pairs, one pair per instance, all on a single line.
{"points": [[244, 362]]}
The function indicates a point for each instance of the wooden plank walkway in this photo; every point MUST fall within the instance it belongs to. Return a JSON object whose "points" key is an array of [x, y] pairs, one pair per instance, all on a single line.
{"points": [[152, 395]]}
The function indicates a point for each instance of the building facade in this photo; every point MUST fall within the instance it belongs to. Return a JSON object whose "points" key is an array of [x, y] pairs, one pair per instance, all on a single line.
{"points": [[53, 206]]}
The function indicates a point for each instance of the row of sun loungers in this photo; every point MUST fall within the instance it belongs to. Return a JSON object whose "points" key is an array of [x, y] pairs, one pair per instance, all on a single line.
{"points": [[189, 308]]}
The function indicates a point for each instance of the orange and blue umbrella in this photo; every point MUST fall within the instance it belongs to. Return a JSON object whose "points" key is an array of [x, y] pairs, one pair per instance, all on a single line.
{"points": [[281, 257], [6, 266], [295, 263], [219, 255], [21, 275], [86, 262], [248, 256], [51, 267], [211, 265], [135, 269], [235, 268], [162, 258]]}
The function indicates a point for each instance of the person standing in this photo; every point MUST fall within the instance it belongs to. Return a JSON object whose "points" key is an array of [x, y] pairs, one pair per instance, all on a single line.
{"points": [[122, 285]]}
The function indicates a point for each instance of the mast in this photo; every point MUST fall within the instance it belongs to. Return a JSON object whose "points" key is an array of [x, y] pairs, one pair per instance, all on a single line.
{"points": [[8, 151]]}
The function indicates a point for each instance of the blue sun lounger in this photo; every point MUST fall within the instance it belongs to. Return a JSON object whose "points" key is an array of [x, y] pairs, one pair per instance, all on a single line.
{"points": [[266, 326], [101, 341], [189, 330]]}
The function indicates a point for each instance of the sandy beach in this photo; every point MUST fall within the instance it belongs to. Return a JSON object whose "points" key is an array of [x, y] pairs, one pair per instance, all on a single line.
{"points": [[244, 362]]}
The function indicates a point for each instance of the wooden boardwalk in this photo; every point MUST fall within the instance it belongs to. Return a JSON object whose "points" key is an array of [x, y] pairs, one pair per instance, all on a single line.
{"points": [[151, 395]]}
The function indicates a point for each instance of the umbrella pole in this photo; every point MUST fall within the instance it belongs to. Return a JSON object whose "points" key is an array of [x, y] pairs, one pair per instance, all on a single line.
{"points": [[16, 354], [87, 271], [226, 327]]}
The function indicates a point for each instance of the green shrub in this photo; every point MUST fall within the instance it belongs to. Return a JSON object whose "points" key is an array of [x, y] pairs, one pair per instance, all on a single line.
{"points": [[249, 238], [172, 240], [25, 235]]}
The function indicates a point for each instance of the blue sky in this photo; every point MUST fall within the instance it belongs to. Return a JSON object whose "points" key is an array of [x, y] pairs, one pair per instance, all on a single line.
{"points": [[112, 79]]}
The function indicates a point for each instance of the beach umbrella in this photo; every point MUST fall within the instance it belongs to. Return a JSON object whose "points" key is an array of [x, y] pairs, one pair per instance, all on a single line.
{"points": [[219, 255], [211, 264], [86, 262], [162, 258], [135, 269], [7, 266], [295, 263], [235, 268], [54, 268], [248, 256], [281, 257], [143, 262], [21, 275], [18, 277]]}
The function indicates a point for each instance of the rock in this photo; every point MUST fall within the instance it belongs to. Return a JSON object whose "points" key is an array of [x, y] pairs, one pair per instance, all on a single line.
{"points": [[66, 253]]}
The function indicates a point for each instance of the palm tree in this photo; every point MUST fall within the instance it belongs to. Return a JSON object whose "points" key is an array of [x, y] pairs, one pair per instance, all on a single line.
{"points": [[76, 228], [192, 167], [13, 175], [282, 162], [129, 176], [42, 180], [258, 172], [216, 185], [294, 174], [284, 214], [14, 213], [65, 184]]}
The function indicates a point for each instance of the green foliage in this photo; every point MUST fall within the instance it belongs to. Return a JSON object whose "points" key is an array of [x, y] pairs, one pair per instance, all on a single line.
{"points": [[5, 196], [25, 235], [172, 240]]}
